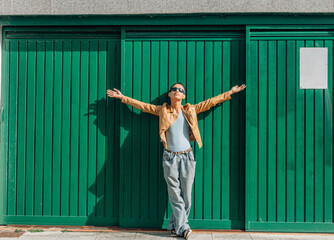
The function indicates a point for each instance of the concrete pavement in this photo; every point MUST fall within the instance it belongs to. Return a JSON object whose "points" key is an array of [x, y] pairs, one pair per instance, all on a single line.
{"points": [[38, 232], [146, 235]]}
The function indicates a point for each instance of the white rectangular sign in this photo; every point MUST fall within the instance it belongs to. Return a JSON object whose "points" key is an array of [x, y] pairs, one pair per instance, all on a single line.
{"points": [[313, 68]]}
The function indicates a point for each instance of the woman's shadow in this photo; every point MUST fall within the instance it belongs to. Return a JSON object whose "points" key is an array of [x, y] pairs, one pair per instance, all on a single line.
{"points": [[138, 192]]}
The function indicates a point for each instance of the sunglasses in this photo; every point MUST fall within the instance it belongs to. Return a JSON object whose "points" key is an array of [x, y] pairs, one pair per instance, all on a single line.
{"points": [[175, 88]]}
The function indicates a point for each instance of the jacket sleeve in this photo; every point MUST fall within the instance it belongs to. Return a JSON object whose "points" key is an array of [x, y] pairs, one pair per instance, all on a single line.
{"points": [[207, 104], [145, 107]]}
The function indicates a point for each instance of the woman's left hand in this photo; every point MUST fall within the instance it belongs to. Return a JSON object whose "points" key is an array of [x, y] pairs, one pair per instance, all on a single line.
{"points": [[236, 89]]}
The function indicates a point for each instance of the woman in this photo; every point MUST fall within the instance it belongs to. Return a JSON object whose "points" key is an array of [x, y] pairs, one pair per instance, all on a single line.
{"points": [[178, 126]]}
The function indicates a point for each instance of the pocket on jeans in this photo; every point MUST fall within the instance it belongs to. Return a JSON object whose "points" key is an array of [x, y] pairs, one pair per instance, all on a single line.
{"points": [[165, 155], [191, 156]]}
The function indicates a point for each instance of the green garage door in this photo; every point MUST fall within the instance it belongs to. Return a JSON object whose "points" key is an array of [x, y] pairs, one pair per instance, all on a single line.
{"points": [[208, 62], [59, 135], [68, 156], [289, 150]]}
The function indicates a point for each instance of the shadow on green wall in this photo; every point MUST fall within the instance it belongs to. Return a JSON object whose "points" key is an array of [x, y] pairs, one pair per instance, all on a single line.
{"points": [[113, 107]]}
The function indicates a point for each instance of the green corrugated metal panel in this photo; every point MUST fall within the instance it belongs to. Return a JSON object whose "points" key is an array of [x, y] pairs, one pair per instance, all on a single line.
{"points": [[289, 150], [54, 91], [289, 153], [208, 65], [61, 135], [57, 152]]}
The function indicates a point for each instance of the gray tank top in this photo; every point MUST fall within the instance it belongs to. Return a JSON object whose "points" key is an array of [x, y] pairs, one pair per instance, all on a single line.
{"points": [[178, 134]]}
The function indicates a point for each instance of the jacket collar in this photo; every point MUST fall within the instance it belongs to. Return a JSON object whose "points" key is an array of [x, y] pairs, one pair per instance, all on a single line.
{"points": [[183, 107], [170, 109]]}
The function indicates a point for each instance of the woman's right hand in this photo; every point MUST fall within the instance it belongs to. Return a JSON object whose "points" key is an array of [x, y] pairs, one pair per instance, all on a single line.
{"points": [[114, 94]]}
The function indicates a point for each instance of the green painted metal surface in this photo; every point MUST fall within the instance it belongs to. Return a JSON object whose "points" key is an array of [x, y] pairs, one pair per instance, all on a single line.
{"points": [[74, 158], [289, 140], [61, 135], [207, 63], [71, 157]]}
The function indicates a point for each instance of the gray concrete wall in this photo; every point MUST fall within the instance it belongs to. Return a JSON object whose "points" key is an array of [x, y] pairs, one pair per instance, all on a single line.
{"points": [[70, 7], [0, 66]]}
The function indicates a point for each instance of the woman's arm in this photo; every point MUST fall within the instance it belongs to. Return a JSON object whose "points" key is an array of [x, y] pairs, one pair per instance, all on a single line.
{"points": [[145, 107], [207, 104]]}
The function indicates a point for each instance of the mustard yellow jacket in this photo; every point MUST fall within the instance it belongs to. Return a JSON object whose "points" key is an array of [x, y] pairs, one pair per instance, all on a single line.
{"points": [[167, 118]]}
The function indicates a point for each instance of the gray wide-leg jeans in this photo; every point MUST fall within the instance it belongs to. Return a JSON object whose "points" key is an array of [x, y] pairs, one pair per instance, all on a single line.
{"points": [[179, 173]]}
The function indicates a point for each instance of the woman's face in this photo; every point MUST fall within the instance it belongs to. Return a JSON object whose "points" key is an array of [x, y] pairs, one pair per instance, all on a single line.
{"points": [[177, 95]]}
